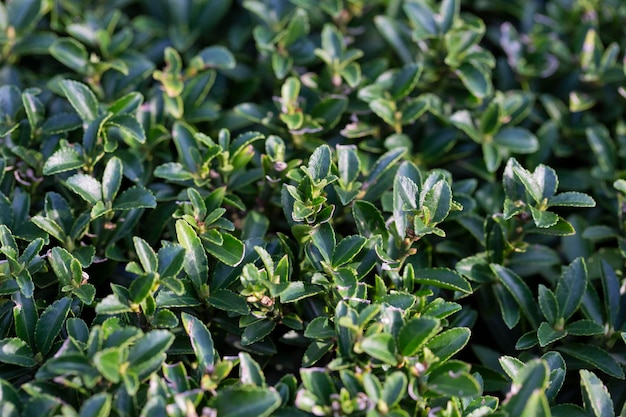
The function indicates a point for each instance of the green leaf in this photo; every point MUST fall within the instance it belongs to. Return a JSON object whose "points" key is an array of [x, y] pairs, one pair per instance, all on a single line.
{"points": [[112, 178], [135, 197], [368, 220], [146, 255], [415, 333], [81, 98], [380, 346], [323, 237], [517, 140], [230, 251], [347, 249], [454, 384], [543, 219], [249, 371], [571, 199], [129, 125], [98, 405], [320, 163], [385, 109], [548, 304], [570, 288], [405, 80], [257, 331], [173, 171], [596, 396], [448, 343], [532, 378], [520, 291], [70, 53], [476, 80], [142, 287], [394, 388], [60, 261], [108, 362], [245, 400], [15, 351], [50, 324], [438, 200], [148, 353], [546, 334], [319, 383], [595, 357], [196, 264], [443, 278], [217, 57], [584, 327], [201, 341], [85, 186], [228, 301], [299, 290], [60, 123]]}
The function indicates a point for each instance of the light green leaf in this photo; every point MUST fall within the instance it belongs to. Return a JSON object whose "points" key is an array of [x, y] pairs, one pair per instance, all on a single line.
{"points": [[380, 346]]}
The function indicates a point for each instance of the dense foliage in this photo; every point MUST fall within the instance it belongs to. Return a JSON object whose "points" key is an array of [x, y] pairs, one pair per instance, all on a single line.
{"points": [[301, 207]]}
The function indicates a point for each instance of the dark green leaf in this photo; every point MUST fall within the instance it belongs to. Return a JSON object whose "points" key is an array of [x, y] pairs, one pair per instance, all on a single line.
{"points": [[245, 400], [50, 324], [415, 333], [571, 287], [517, 140], [455, 384], [230, 251], [85, 186], [448, 343], [201, 340], [546, 334], [134, 198], [347, 249], [594, 356], [70, 53], [196, 264], [476, 80], [148, 353], [443, 278], [81, 98], [16, 352], [217, 57], [596, 396], [249, 371], [98, 405], [257, 331], [520, 291], [228, 301]]}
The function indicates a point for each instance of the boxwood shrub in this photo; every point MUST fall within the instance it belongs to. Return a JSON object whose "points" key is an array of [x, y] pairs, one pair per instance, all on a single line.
{"points": [[294, 207]]}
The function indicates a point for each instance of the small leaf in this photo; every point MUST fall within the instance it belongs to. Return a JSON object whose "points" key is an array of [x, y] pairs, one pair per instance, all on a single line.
{"points": [[201, 341], [98, 405], [231, 251], [81, 98], [148, 353], [448, 343], [394, 388], [228, 301], [443, 278], [85, 186], [245, 400], [531, 379], [217, 57], [257, 331], [596, 396], [517, 140], [415, 333], [547, 335], [520, 291], [112, 178], [347, 249], [249, 371], [129, 125], [15, 351], [380, 346], [196, 264], [475, 79], [595, 357], [146, 255], [50, 324], [134, 198], [64, 159], [70, 53], [571, 199], [571, 286], [454, 384]]}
